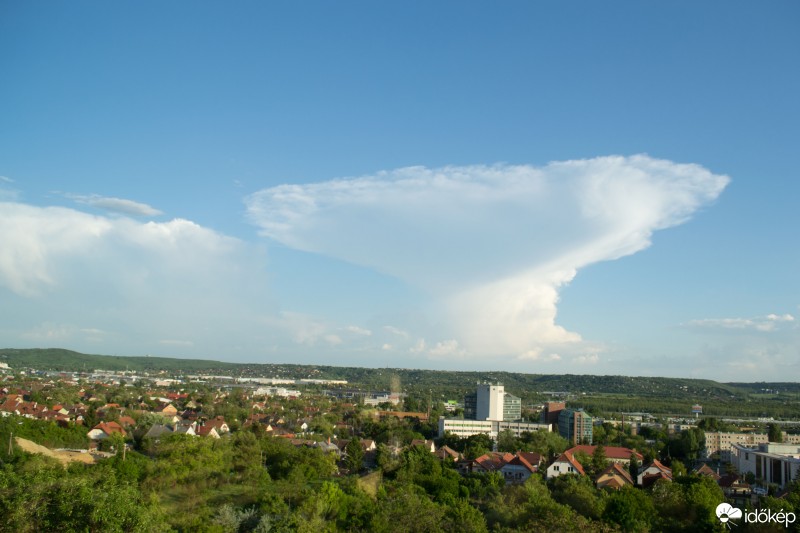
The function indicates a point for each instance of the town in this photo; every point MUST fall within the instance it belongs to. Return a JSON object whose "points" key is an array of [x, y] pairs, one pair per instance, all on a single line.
{"points": [[259, 453]]}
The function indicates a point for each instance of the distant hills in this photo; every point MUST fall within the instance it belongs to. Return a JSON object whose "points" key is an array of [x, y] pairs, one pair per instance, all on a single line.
{"points": [[449, 382]]}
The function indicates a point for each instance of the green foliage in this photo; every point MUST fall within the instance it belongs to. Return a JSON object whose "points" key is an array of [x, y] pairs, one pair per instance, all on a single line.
{"points": [[631, 509], [688, 504], [546, 443], [39, 495], [354, 456], [579, 493], [688, 445], [404, 510], [507, 442], [477, 445], [43, 432], [774, 432], [530, 507], [599, 461], [633, 467]]}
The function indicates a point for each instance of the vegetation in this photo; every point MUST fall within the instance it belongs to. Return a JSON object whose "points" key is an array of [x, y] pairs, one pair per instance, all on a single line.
{"points": [[252, 480]]}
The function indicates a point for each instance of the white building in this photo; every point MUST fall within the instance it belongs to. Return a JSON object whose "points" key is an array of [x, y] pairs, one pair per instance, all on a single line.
{"points": [[770, 462], [276, 391], [565, 464], [464, 428], [489, 404]]}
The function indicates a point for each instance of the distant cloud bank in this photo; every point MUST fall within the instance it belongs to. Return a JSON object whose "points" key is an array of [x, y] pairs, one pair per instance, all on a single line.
{"points": [[768, 323]]}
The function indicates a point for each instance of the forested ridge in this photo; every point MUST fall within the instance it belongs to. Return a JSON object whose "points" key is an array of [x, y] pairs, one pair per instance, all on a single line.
{"points": [[381, 378], [598, 394]]}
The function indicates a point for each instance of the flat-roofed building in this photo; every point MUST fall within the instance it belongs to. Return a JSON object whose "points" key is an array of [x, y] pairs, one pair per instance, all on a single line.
{"points": [[770, 462], [575, 425], [465, 427]]}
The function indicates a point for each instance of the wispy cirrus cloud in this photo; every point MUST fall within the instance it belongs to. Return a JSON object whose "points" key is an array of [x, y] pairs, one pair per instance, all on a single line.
{"points": [[767, 323], [493, 244], [7, 193], [116, 205]]}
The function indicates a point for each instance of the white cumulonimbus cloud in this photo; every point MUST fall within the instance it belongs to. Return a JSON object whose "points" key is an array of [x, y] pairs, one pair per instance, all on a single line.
{"points": [[493, 243]]}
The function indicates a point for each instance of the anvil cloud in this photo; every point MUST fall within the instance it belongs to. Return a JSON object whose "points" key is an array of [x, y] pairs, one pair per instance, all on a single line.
{"points": [[493, 243]]}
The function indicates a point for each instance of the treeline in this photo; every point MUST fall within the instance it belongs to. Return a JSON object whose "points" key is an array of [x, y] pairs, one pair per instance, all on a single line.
{"points": [[614, 405], [47, 434]]}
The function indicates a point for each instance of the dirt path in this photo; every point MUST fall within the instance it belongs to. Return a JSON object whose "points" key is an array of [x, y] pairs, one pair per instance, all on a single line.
{"points": [[63, 456]]}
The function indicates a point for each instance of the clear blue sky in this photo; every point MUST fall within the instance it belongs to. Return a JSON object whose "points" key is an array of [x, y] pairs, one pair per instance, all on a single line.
{"points": [[541, 187]]}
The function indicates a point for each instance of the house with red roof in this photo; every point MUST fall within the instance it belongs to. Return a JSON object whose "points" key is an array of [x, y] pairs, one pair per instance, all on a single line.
{"points": [[104, 430], [446, 451], [615, 454], [565, 464], [705, 470], [614, 477], [520, 468], [654, 469]]}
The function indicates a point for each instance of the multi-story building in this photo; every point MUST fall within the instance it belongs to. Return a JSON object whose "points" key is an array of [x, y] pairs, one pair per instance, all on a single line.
{"points": [[489, 410], [722, 442], [770, 462], [575, 425], [465, 428], [491, 402], [512, 407], [551, 411]]}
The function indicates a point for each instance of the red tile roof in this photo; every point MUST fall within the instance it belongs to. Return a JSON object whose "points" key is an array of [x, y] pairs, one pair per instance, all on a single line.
{"points": [[613, 453], [567, 457]]}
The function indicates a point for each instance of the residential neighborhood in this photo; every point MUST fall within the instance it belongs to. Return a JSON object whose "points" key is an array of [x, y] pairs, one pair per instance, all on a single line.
{"points": [[102, 417]]}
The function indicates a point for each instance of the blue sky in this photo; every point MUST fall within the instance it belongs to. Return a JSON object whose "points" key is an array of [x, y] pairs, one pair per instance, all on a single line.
{"points": [[583, 188]]}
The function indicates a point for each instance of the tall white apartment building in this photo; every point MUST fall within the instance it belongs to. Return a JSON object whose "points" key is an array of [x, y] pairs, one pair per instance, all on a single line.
{"points": [[489, 404]]}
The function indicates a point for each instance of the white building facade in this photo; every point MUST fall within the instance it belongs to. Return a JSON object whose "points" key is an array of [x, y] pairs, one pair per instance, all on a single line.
{"points": [[489, 405], [465, 428], [770, 462]]}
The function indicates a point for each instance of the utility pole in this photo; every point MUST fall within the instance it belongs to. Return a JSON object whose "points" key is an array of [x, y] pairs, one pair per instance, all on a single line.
{"points": [[10, 444]]}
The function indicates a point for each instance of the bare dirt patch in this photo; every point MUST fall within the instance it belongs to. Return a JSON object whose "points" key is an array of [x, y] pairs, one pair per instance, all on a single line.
{"points": [[65, 457]]}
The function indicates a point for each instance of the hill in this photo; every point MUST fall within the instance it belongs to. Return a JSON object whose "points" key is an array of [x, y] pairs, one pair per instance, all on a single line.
{"points": [[381, 378]]}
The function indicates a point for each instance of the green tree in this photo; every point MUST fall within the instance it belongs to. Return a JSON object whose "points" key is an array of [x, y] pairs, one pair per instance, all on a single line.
{"points": [[507, 442], [774, 433], [580, 494], [354, 455], [633, 467], [599, 461], [678, 468], [404, 510], [631, 509], [702, 495], [546, 443], [477, 445], [689, 443]]}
